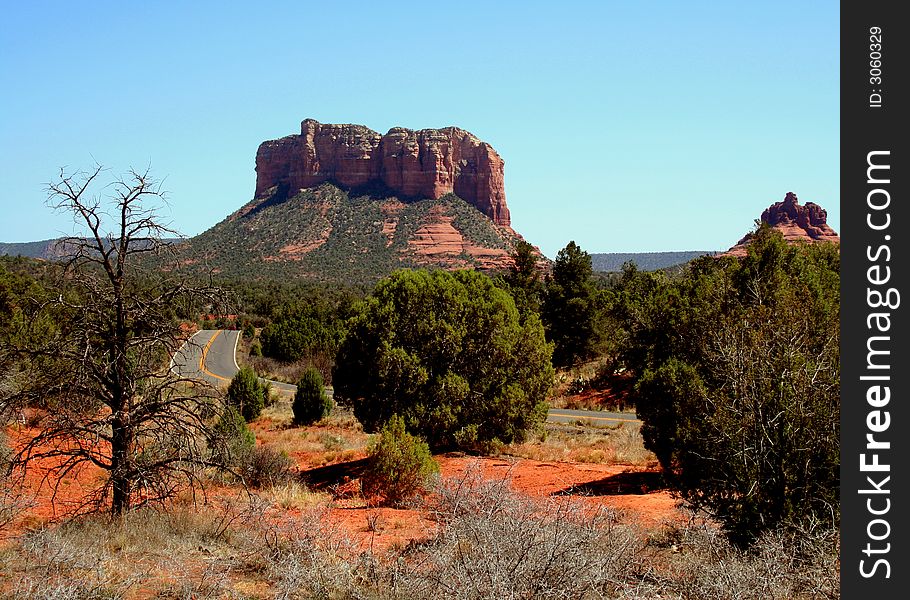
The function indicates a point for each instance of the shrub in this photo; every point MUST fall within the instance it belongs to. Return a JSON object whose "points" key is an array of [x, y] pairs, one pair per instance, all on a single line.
{"points": [[300, 331], [267, 468], [311, 404], [450, 355], [736, 365], [246, 394], [399, 464], [256, 349], [233, 440]]}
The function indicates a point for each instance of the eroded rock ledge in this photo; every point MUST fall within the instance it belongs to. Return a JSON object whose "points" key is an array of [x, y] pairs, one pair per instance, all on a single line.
{"points": [[428, 163]]}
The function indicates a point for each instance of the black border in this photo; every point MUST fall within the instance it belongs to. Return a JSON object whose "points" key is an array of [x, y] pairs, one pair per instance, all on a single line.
{"points": [[866, 128]]}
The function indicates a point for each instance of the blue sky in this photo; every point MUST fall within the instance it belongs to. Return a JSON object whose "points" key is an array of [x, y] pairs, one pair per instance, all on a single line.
{"points": [[624, 125]]}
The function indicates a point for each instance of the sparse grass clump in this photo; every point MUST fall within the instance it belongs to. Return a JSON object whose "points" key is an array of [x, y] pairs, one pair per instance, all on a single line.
{"points": [[617, 444], [295, 495]]}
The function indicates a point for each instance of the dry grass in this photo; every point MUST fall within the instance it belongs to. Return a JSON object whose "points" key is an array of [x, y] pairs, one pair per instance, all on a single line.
{"points": [[296, 496], [337, 438], [484, 541], [619, 444], [490, 543], [164, 553]]}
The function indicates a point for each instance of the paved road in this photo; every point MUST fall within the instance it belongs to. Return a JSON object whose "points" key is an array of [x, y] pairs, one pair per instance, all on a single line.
{"points": [[211, 355]]}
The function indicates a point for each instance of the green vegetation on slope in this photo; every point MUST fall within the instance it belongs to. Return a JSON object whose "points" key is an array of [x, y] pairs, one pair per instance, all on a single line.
{"points": [[323, 234]]}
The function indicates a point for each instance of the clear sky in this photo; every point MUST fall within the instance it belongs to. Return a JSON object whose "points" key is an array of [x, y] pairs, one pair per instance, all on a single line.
{"points": [[624, 125]]}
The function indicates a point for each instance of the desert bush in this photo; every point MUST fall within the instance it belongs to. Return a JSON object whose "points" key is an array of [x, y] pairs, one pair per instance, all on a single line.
{"points": [[310, 558], [399, 464], [737, 380], [311, 404], [266, 468], [801, 561], [495, 543], [233, 441], [247, 394], [303, 329], [570, 307], [449, 353]]}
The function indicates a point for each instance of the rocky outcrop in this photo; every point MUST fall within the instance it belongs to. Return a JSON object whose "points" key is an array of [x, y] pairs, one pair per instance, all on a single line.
{"points": [[797, 223], [428, 163], [437, 242]]}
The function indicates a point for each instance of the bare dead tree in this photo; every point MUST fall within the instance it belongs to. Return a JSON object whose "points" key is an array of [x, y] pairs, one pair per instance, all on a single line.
{"points": [[96, 363]]}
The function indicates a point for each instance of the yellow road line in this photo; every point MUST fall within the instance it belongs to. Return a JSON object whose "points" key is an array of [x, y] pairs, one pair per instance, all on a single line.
{"points": [[205, 352]]}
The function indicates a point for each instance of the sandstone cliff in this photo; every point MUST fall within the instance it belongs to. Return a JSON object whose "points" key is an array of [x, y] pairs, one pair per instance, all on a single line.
{"points": [[428, 163], [798, 223]]}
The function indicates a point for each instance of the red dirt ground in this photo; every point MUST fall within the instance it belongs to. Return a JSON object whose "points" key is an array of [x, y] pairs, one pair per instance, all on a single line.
{"points": [[635, 491]]}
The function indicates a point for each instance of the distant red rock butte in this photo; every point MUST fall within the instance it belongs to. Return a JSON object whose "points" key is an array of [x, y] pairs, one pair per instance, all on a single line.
{"points": [[806, 223], [428, 163]]}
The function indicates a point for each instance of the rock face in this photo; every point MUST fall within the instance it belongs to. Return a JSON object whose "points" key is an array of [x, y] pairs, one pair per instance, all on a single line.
{"points": [[798, 223], [428, 163]]}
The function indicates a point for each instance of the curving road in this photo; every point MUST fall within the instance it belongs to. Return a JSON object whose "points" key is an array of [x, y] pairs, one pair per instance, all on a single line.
{"points": [[210, 355]]}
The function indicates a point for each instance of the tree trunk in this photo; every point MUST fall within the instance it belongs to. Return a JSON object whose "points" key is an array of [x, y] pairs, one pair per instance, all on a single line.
{"points": [[121, 478]]}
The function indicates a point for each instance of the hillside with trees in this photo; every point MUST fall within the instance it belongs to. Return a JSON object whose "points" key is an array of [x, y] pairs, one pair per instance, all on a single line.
{"points": [[325, 234], [612, 262]]}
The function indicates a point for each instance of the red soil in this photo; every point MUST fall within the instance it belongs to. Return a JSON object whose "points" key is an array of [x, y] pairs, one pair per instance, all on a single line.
{"points": [[635, 491]]}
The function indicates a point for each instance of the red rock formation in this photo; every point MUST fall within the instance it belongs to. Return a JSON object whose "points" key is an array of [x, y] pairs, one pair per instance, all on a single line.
{"points": [[414, 164], [438, 242], [806, 223]]}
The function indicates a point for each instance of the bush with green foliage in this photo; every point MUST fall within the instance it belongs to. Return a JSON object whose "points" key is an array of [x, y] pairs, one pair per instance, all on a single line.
{"points": [[448, 352], [247, 394], [523, 278], [570, 307], [301, 331], [234, 449], [233, 441], [399, 464], [737, 376], [311, 403]]}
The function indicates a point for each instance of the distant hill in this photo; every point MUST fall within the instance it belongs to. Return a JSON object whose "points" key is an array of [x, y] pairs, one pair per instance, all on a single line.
{"points": [[45, 249], [645, 261], [326, 234]]}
